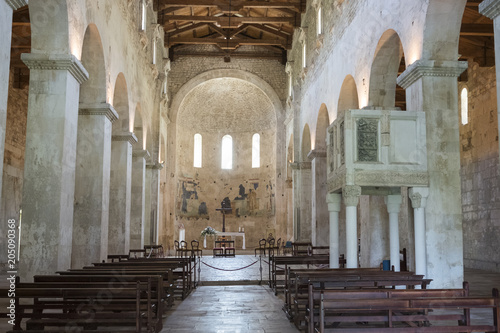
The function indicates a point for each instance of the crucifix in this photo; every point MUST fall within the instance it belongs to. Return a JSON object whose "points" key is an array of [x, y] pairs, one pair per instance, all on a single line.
{"points": [[223, 209]]}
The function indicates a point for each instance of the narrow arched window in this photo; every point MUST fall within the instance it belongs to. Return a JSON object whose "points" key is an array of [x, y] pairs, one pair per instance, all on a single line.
{"points": [[256, 150], [197, 151], [154, 52], [143, 15], [464, 105], [319, 23], [227, 152], [304, 59]]}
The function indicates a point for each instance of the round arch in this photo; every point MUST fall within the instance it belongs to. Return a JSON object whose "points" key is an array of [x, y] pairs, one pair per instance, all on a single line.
{"points": [[225, 73], [321, 127], [384, 70], [94, 89], [121, 105], [348, 97], [440, 41]]}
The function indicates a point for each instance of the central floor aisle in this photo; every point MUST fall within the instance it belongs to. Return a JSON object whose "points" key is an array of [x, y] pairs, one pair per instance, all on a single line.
{"points": [[229, 309]]}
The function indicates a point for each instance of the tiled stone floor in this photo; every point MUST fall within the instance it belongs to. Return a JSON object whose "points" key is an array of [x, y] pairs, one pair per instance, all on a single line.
{"points": [[233, 300]]}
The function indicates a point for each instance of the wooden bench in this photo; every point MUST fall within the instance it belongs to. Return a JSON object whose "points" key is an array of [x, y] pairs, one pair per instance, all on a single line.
{"points": [[85, 309], [158, 283], [182, 280], [181, 273], [405, 311], [224, 248], [354, 278], [275, 271]]}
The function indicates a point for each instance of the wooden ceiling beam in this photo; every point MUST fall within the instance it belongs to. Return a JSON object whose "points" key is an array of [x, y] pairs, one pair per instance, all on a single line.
{"points": [[171, 33], [225, 5], [227, 44], [228, 22], [264, 28], [477, 30]]}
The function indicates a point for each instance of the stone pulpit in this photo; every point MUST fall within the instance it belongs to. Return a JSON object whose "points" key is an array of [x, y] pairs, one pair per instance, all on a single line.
{"points": [[373, 151]]}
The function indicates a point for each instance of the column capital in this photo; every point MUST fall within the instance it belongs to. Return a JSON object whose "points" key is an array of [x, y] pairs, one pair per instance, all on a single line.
{"points": [[98, 109], [490, 8], [316, 153], [56, 62], [125, 136], [154, 166], [334, 200], [422, 68], [418, 196], [140, 153], [393, 203], [16, 4], [351, 194]]}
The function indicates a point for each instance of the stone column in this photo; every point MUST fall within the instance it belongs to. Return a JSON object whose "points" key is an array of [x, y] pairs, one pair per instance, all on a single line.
{"points": [[334, 200], [7, 7], [418, 196], [350, 194], [138, 199], [319, 208], [393, 203], [93, 166], [431, 86], [491, 9], [119, 193], [50, 157], [153, 171], [302, 201]]}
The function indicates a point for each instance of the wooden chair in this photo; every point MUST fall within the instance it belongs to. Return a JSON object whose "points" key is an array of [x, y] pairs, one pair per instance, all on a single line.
{"points": [[195, 248], [183, 247], [278, 246], [271, 246], [262, 247]]}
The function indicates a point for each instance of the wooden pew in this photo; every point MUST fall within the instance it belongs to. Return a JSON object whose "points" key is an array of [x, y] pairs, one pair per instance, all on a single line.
{"points": [[296, 298], [85, 309], [158, 283], [275, 271], [405, 311], [316, 295], [181, 288], [183, 269]]}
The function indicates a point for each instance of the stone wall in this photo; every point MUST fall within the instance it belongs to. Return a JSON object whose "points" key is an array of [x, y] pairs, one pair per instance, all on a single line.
{"points": [[184, 68], [480, 172], [15, 140]]}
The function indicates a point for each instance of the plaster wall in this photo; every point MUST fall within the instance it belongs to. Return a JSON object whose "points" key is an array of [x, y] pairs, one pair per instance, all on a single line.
{"points": [[479, 171]]}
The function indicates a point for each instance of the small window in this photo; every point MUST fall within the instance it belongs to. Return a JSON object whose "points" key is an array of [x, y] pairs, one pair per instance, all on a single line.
{"points": [[256, 150], [227, 152], [464, 105], [154, 52], [319, 23], [304, 55], [143, 15], [197, 151], [289, 85]]}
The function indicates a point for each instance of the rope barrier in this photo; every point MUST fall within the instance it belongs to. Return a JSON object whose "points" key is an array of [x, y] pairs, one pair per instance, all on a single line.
{"points": [[229, 270]]}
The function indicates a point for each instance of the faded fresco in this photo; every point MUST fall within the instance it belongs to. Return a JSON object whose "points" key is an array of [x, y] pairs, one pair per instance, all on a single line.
{"points": [[254, 198], [188, 203]]}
